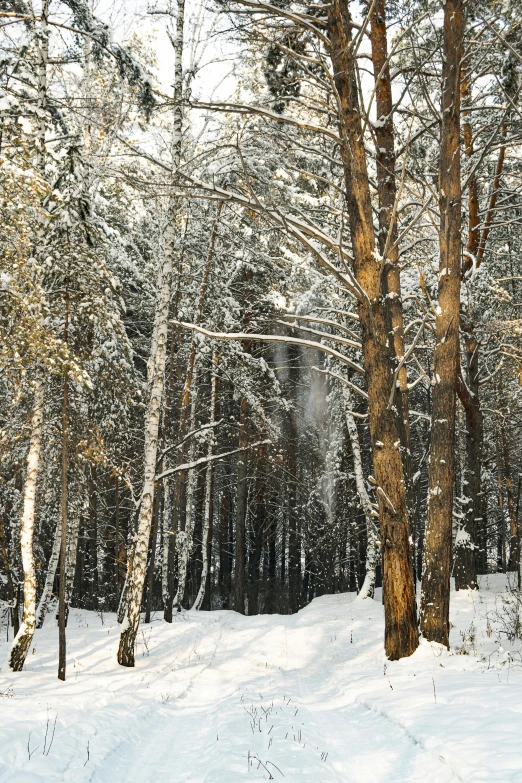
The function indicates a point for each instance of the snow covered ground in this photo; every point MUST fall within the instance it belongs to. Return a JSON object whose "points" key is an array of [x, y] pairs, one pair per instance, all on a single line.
{"points": [[308, 698]]}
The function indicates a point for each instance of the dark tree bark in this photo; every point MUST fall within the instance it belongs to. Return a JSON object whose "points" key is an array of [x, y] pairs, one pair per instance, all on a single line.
{"points": [[294, 543], [258, 532], [10, 584], [62, 595], [513, 548], [437, 544], [401, 634], [241, 510], [465, 568]]}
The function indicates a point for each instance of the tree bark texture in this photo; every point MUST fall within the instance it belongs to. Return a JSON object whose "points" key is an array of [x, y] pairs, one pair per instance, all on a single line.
{"points": [[241, 510], [437, 544], [401, 635], [388, 234], [24, 637]]}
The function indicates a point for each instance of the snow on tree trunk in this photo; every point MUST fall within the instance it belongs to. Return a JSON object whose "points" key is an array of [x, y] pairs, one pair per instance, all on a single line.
{"points": [[208, 488], [72, 554], [136, 579], [401, 636], [166, 542], [51, 573], [368, 586], [439, 520], [23, 639], [25, 633], [156, 376], [184, 536]]}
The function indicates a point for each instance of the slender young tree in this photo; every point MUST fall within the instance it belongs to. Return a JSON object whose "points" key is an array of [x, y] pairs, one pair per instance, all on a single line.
{"points": [[158, 356]]}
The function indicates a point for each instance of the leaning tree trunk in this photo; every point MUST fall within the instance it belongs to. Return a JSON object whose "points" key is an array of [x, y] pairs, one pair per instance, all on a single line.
{"points": [[401, 635], [24, 637], [136, 575], [368, 587], [25, 633], [437, 544], [51, 573]]}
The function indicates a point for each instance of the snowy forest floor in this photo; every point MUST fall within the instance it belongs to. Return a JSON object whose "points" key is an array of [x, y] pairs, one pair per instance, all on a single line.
{"points": [[309, 698]]}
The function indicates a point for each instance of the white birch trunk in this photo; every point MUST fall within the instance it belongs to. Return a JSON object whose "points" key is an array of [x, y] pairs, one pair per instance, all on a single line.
{"points": [[25, 634], [24, 637], [165, 543], [156, 375], [51, 573], [72, 554], [368, 587], [208, 486], [184, 537]]}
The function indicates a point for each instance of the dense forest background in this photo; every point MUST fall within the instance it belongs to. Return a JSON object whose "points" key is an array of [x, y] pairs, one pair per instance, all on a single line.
{"points": [[259, 326]]}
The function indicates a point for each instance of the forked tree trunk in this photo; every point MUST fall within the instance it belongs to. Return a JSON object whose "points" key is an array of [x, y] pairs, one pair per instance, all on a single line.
{"points": [[401, 634], [437, 544], [24, 637]]}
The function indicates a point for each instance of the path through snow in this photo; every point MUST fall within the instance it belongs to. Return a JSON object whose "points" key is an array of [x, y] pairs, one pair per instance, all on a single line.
{"points": [[308, 698]]}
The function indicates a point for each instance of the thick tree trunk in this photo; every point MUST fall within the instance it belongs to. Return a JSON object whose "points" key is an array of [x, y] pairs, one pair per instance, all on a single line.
{"points": [[24, 637], [401, 635], [388, 233], [437, 544]]}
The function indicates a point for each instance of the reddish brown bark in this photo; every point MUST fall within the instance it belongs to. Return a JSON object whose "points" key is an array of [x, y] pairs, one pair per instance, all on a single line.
{"points": [[437, 544], [401, 635]]}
